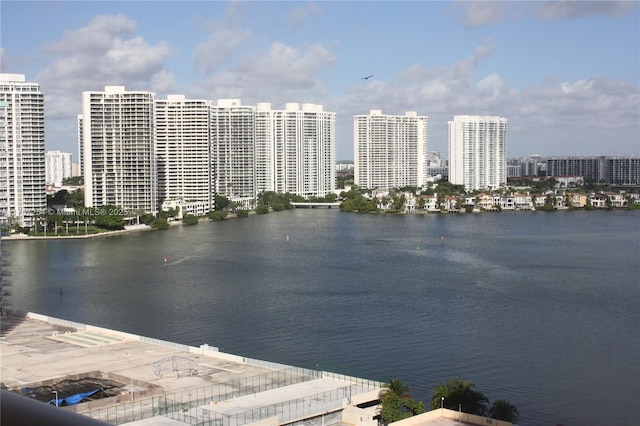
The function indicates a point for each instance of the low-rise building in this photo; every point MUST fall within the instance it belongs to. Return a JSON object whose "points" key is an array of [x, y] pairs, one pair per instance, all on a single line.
{"points": [[577, 200]]}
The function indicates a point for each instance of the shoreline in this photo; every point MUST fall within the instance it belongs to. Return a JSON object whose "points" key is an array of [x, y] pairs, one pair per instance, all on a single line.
{"points": [[142, 228], [131, 228], [128, 229]]}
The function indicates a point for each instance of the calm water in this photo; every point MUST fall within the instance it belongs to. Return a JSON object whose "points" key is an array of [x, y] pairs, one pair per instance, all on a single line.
{"points": [[537, 308]]}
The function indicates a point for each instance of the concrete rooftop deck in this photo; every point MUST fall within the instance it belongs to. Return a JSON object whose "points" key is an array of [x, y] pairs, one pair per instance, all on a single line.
{"points": [[36, 350], [32, 351]]}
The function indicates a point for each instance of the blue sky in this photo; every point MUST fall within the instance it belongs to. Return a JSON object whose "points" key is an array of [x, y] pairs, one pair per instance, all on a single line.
{"points": [[566, 74]]}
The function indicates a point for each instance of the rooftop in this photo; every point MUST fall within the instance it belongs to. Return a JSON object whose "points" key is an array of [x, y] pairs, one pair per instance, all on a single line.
{"points": [[141, 380]]}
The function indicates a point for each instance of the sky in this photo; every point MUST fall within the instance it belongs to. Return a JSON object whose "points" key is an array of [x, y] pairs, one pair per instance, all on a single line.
{"points": [[565, 74]]}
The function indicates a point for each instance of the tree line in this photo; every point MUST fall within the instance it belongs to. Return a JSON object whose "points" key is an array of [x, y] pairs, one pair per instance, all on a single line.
{"points": [[456, 394]]}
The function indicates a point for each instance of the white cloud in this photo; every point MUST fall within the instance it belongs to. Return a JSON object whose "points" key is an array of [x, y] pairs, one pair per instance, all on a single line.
{"points": [[552, 10], [279, 75], [98, 36], [105, 52], [226, 36], [473, 14], [479, 13], [300, 12], [491, 84], [99, 54], [163, 82], [578, 86], [219, 47], [562, 111], [589, 103]]}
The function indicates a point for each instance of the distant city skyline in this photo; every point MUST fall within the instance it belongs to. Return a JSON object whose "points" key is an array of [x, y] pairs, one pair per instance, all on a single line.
{"points": [[565, 74]]}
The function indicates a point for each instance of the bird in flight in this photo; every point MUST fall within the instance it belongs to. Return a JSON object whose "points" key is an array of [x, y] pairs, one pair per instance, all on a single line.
{"points": [[367, 77]]}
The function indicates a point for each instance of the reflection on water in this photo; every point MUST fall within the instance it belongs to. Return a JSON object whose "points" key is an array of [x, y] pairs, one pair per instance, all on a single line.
{"points": [[539, 309]]}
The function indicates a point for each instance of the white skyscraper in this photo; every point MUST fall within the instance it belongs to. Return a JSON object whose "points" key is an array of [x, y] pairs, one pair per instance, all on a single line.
{"points": [[183, 150], [22, 169], [295, 149], [57, 166], [478, 151], [119, 149], [390, 151], [233, 151]]}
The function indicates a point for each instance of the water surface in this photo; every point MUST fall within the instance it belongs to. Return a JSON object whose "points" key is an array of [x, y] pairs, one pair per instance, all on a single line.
{"points": [[537, 308]]}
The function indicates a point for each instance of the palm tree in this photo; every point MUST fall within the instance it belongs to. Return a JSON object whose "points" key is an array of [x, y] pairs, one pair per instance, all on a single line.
{"points": [[396, 403], [459, 394], [503, 410], [397, 387], [439, 394]]}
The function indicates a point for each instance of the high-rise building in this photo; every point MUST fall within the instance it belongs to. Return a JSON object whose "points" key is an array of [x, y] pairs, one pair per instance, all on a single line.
{"points": [[233, 151], [623, 170], [590, 168], [295, 149], [531, 165], [22, 169], [118, 147], [390, 151], [478, 151], [57, 167], [183, 150]]}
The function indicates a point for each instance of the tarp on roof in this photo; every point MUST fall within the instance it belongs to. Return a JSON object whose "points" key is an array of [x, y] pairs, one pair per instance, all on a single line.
{"points": [[73, 399]]}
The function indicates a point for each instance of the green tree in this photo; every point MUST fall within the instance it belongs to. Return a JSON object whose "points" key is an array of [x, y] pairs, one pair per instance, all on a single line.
{"points": [[146, 218], [242, 213], [398, 201], [503, 410], [159, 224], [166, 214], [262, 209], [459, 394], [397, 387], [73, 181], [217, 216], [277, 201], [57, 199], [109, 217], [75, 199], [396, 403], [189, 219], [356, 202], [222, 202]]}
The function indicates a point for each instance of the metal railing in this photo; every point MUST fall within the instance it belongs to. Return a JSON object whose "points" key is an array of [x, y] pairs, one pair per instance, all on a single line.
{"points": [[198, 406]]}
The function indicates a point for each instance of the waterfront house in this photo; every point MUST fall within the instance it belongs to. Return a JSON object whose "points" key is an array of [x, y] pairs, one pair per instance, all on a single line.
{"points": [[450, 203], [616, 200], [522, 201], [598, 200], [485, 201], [577, 200], [633, 198], [430, 203]]}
